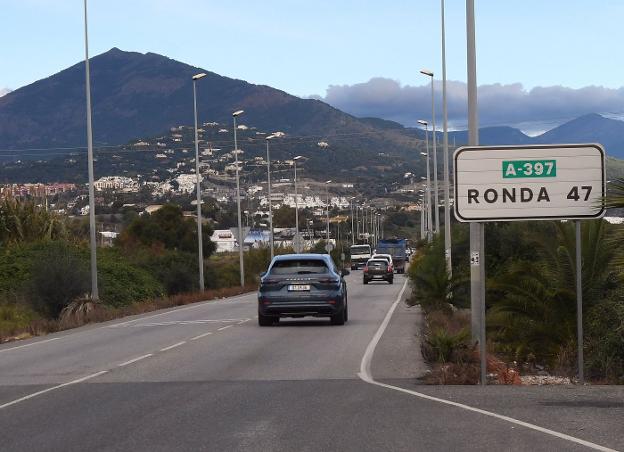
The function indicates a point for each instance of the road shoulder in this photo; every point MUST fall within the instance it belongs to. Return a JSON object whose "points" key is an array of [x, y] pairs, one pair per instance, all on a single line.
{"points": [[397, 355]]}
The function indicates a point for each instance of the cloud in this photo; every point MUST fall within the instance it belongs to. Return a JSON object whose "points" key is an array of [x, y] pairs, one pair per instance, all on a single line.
{"points": [[4, 91], [498, 104]]}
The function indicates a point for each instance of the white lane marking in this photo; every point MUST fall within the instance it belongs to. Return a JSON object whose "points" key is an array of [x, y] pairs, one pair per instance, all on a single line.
{"points": [[243, 321], [53, 388], [224, 328], [30, 345], [134, 360], [186, 308], [365, 375], [201, 335], [171, 347], [177, 322]]}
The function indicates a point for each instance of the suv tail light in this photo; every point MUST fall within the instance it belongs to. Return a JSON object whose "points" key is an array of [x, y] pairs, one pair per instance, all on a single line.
{"points": [[390, 269], [366, 269]]}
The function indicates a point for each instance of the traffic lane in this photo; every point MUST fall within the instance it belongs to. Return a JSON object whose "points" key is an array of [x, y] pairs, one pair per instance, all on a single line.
{"points": [[592, 413], [82, 353], [311, 415], [292, 350]]}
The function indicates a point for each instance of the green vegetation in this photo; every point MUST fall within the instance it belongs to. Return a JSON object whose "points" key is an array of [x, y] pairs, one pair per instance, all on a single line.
{"points": [[531, 298], [44, 265]]}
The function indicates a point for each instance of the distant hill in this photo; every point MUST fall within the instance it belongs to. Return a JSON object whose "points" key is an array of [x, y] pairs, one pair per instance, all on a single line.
{"points": [[592, 128]]}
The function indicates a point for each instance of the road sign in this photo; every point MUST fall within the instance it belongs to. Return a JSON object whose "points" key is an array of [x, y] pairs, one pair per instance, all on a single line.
{"points": [[298, 243], [329, 247], [544, 182]]}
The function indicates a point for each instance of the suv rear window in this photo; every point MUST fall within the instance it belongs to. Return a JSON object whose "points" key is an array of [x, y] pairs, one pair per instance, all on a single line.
{"points": [[378, 263], [299, 267]]}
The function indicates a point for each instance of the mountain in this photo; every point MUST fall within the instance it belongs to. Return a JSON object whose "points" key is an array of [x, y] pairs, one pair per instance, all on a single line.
{"points": [[140, 95], [591, 128]]}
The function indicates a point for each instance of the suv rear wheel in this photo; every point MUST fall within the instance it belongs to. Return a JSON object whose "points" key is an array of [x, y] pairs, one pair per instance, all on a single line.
{"points": [[339, 318], [266, 320]]}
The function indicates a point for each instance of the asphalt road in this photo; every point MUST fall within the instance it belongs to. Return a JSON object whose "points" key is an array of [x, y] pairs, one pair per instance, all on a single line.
{"points": [[206, 377]]}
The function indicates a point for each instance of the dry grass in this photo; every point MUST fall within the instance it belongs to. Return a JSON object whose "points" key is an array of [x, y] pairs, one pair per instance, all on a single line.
{"points": [[83, 312], [454, 360]]}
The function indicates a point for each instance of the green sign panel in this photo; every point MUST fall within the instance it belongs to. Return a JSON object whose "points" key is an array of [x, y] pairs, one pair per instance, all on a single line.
{"points": [[529, 168]]}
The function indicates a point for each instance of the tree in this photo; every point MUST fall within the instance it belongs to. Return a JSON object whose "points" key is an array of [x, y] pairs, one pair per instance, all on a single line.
{"points": [[23, 221], [535, 311], [167, 228]]}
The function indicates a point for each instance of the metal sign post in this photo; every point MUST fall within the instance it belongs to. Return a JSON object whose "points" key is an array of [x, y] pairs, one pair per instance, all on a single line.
{"points": [[508, 183], [579, 303]]}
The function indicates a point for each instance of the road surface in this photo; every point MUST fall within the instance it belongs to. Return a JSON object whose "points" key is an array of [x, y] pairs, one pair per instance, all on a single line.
{"points": [[206, 377]]}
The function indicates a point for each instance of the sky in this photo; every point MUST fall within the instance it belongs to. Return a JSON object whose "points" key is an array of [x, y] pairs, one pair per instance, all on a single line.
{"points": [[362, 56]]}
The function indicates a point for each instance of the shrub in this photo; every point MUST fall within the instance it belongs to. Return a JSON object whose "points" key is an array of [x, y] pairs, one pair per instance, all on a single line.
{"points": [[58, 276]]}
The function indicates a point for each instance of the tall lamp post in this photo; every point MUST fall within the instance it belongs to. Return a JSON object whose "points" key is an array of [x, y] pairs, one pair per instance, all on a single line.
{"points": [[200, 245], [428, 188], [241, 239], [295, 160], [269, 138], [327, 207], [352, 223], [435, 154], [447, 200], [93, 243]]}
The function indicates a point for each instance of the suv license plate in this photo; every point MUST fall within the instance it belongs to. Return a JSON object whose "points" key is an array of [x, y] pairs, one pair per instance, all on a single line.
{"points": [[299, 287]]}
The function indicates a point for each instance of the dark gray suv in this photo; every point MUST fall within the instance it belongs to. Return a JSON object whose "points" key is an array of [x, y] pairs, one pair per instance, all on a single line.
{"points": [[299, 285]]}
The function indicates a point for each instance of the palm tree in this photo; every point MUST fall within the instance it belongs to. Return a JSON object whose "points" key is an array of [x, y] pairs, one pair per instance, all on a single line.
{"points": [[24, 222], [536, 310]]}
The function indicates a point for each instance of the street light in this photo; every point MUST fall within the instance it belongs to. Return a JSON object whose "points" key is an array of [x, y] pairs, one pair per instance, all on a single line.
{"points": [[352, 223], [295, 160], [241, 239], [435, 153], [93, 243], [428, 190], [447, 176], [269, 138], [327, 207], [200, 246]]}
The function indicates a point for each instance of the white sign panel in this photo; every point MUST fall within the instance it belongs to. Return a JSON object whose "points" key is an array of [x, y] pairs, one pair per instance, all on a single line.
{"points": [[502, 183]]}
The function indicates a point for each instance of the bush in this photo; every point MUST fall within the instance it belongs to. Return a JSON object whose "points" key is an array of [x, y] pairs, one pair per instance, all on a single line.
{"points": [[122, 283], [14, 318], [604, 341], [58, 276]]}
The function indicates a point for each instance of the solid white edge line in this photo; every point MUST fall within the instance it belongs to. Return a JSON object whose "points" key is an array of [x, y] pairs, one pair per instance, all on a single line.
{"points": [[29, 345], [224, 328], [53, 388], [365, 375], [201, 335], [171, 347], [134, 360]]}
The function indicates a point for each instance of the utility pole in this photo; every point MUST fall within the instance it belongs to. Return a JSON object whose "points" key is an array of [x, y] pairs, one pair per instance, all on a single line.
{"points": [[447, 197], [477, 230], [241, 239], [200, 245], [92, 239]]}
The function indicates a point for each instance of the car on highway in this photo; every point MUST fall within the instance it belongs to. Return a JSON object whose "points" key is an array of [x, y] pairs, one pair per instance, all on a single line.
{"points": [[300, 285], [385, 257], [379, 269]]}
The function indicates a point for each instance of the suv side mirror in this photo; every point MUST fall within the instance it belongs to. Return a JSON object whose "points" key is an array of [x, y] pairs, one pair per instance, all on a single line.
{"points": [[345, 272], [263, 274]]}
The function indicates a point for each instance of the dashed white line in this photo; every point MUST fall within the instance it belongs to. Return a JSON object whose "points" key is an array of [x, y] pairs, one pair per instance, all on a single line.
{"points": [[134, 360], [224, 328], [201, 335], [365, 375], [172, 346], [53, 388], [29, 345]]}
